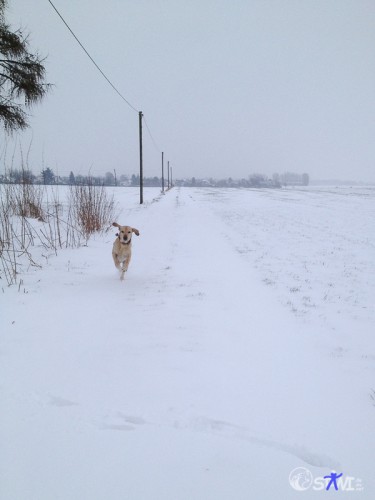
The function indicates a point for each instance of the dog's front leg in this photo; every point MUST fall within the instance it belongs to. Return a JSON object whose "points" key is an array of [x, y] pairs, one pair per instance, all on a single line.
{"points": [[124, 267], [126, 263], [116, 261]]}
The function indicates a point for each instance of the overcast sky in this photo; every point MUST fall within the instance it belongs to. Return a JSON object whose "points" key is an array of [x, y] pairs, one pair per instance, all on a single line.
{"points": [[228, 87]]}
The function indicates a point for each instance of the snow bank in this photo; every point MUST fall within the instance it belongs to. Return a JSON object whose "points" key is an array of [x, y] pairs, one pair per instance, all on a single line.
{"points": [[238, 348]]}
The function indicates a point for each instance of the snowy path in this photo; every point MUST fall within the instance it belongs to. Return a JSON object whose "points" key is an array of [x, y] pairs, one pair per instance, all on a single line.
{"points": [[192, 379]]}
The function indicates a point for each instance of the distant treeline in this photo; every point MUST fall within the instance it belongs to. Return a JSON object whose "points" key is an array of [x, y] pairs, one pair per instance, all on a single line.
{"points": [[48, 177]]}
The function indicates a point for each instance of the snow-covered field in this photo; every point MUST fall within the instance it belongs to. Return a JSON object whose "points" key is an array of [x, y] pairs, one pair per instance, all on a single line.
{"points": [[239, 347]]}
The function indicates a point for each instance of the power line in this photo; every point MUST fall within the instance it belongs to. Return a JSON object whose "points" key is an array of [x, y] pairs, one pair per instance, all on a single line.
{"points": [[149, 131], [113, 86], [92, 60]]}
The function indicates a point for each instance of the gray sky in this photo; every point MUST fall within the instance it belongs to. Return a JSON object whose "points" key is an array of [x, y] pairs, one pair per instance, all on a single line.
{"points": [[228, 87]]}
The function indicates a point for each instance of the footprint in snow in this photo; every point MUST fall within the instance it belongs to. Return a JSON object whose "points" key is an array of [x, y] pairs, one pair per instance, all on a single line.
{"points": [[121, 422], [60, 402], [219, 427]]}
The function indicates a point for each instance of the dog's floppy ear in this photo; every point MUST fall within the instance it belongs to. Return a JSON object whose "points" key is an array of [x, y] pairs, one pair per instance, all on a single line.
{"points": [[115, 224], [135, 231]]}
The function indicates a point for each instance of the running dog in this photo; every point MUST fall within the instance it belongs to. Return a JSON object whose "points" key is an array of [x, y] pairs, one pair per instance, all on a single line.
{"points": [[122, 247]]}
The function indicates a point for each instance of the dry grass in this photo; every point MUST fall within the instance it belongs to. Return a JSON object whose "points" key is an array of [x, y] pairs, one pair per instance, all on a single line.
{"points": [[32, 217], [91, 208]]}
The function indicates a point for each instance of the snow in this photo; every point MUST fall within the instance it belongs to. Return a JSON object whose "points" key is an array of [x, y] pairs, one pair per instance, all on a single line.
{"points": [[238, 348]]}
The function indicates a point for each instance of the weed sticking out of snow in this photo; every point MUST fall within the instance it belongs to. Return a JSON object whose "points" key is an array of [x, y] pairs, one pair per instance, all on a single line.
{"points": [[35, 222]]}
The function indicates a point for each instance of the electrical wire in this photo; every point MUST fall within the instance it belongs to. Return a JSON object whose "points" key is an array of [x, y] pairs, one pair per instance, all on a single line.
{"points": [[92, 60], [104, 75], [149, 131]]}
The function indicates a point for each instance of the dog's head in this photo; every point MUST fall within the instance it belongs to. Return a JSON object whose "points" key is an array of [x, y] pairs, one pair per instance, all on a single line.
{"points": [[125, 233]]}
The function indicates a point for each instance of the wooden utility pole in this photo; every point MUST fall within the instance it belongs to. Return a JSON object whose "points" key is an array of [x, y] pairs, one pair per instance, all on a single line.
{"points": [[162, 172], [140, 160], [168, 175], [171, 179]]}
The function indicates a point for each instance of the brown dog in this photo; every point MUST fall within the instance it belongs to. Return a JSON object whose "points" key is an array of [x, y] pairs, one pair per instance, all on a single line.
{"points": [[122, 247]]}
